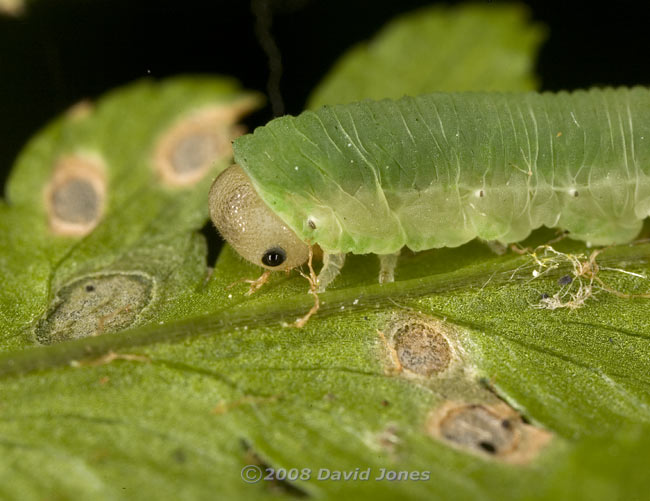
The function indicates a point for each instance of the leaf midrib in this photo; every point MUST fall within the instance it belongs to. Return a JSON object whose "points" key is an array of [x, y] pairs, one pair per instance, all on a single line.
{"points": [[370, 297]]}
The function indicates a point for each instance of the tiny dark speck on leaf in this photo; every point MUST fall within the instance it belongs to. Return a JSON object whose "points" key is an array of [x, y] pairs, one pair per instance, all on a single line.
{"points": [[179, 456], [385, 403], [565, 280], [90, 288], [487, 446]]}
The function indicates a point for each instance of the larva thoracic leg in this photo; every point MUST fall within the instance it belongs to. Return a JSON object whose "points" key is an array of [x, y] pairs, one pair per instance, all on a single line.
{"points": [[497, 247], [387, 265], [332, 264]]}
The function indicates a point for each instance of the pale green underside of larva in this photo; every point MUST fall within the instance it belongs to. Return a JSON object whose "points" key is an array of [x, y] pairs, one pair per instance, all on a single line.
{"points": [[441, 169]]}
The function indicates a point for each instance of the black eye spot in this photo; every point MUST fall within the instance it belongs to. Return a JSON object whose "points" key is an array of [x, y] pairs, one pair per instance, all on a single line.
{"points": [[275, 256]]}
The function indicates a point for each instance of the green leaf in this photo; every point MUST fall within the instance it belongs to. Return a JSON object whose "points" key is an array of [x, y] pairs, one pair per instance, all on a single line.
{"points": [[461, 48], [415, 376], [240, 389], [106, 199]]}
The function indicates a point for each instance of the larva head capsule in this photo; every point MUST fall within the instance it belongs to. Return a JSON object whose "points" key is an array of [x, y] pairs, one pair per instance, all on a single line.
{"points": [[250, 227]]}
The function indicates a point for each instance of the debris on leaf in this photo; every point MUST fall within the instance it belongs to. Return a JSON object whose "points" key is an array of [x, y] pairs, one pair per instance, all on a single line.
{"points": [[581, 284]]}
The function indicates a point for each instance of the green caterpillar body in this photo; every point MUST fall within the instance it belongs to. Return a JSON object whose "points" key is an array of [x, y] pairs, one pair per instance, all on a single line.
{"points": [[442, 169]]}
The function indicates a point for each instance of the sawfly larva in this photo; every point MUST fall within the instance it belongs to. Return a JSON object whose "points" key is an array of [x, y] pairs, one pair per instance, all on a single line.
{"points": [[437, 170]]}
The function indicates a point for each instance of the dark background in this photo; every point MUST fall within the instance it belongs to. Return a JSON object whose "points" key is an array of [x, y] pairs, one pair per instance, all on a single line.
{"points": [[63, 51]]}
